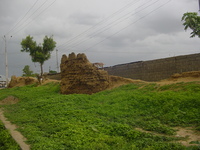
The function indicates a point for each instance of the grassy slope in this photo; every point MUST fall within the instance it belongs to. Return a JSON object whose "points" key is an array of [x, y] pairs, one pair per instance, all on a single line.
{"points": [[105, 120]]}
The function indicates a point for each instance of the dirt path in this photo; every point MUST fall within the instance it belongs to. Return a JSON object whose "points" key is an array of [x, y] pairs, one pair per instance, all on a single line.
{"points": [[188, 134], [17, 136]]}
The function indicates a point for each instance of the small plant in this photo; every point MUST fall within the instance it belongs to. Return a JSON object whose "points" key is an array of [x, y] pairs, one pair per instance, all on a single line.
{"points": [[27, 72]]}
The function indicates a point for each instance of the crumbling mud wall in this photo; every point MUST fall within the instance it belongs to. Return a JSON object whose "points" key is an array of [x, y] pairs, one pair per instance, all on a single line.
{"points": [[21, 81], [80, 76]]}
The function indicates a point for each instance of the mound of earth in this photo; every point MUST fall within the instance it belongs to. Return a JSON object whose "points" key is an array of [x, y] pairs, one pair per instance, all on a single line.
{"points": [[193, 74], [182, 77], [116, 81], [9, 100], [21, 81]]}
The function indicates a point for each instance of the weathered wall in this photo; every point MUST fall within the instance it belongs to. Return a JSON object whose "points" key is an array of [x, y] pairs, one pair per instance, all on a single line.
{"points": [[80, 76], [155, 70], [55, 76]]}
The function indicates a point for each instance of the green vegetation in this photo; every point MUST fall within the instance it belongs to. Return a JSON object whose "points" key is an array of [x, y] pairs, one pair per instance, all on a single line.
{"points": [[106, 120], [39, 53], [52, 71], [6, 141], [192, 21], [27, 72]]}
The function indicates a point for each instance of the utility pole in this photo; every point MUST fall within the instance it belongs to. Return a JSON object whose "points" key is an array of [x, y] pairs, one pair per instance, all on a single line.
{"points": [[199, 5], [57, 60], [6, 60]]}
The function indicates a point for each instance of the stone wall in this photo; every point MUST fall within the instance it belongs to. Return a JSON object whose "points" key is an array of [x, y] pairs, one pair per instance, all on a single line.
{"points": [[155, 70]]}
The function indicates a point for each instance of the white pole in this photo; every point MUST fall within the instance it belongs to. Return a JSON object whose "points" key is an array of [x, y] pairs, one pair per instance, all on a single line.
{"points": [[57, 60], [6, 61], [199, 5]]}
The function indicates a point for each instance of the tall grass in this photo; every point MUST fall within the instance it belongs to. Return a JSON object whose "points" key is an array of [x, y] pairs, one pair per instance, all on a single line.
{"points": [[105, 120]]}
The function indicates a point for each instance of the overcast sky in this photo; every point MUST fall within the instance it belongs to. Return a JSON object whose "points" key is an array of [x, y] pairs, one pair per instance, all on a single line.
{"points": [[109, 31]]}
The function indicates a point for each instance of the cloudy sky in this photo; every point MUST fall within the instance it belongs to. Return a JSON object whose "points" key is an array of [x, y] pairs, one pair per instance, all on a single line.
{"points": [[109, 31]]}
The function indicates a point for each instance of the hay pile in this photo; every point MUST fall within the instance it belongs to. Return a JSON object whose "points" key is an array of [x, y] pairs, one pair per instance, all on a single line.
{"points": [[21, 81]]}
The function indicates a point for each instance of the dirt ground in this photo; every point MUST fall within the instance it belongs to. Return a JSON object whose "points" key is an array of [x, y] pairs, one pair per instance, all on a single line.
{"points": [[184, 77], [189, 134]]}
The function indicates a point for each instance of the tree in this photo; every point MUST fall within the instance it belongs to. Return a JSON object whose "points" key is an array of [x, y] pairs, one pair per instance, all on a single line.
{"points": [[39, 53], [27, 72], [192, 21]]}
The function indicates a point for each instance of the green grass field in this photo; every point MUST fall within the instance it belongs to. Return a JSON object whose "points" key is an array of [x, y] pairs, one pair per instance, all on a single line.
{"points": [[106, 120], [6, 141]]}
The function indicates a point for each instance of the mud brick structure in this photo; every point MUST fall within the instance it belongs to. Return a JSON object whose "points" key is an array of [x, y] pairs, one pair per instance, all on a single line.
{"points": [[80, 76]]}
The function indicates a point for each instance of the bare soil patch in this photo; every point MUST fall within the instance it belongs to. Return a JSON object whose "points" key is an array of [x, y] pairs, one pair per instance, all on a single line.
{"points": [[193, 76], [9, 100], [183, 77], [116, 81], [187, 134]]}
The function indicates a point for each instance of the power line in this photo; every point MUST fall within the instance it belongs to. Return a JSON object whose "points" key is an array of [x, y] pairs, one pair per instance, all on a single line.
{"points": [[24, 24], [32, 14], [93, 34], [104, 20], [99, 31], [127, 26], [35, 17], [16, 25], [114, 23]]}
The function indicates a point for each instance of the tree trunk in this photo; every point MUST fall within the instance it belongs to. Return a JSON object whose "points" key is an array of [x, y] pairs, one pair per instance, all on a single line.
{"points": [[41, 67]]}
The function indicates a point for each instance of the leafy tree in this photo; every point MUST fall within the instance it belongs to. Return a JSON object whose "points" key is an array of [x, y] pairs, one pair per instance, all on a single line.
{"points": [[39, 53], [27, 72], [192, 21]]}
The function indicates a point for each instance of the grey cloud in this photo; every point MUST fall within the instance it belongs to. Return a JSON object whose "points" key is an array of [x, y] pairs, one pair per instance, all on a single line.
{"points": [[160, 34], [82, 18]]}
